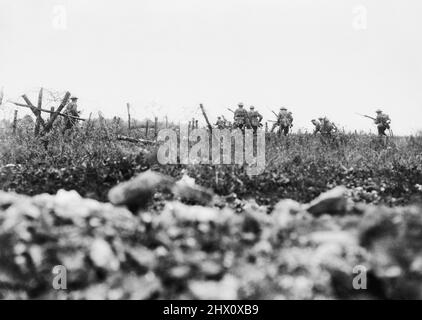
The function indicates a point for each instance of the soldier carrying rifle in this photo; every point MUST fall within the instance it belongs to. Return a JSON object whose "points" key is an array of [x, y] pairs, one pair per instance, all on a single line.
{"points": [[72, 111], [382, 121], [284, 121], [241, 117], [255, 118], [317, 126], [220, 124], [327, 127]]}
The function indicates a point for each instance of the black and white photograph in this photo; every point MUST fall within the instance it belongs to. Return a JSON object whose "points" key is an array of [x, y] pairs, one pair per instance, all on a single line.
{"points": [[198, 150]]}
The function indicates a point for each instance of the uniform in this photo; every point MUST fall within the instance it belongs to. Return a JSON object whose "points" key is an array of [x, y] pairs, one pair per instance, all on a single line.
{"points": [[241, 119], [327, 127], [284, 120], [220, 124], [382, 121], [317, 125], [71, 110], [255, 118]]}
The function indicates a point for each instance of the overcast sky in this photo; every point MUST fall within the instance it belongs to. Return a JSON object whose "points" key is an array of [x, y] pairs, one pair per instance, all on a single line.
{"points": [[317, 57]]}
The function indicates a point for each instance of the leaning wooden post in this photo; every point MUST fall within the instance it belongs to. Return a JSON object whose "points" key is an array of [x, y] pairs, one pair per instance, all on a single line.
{"points": [[146, 129], [52, 112], [156, 126], [128, 116], [34, 110], [205, 116], [49, 125], [39, 105], [15, 121]]}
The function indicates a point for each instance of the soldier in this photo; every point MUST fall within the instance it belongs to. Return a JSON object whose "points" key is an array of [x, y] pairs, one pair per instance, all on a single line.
{"points": [[220, 124], [227, 123], [255, 118], [317, 125], [327, 127], [284, 120], [71, 110], [241, 117], [382, 121]]}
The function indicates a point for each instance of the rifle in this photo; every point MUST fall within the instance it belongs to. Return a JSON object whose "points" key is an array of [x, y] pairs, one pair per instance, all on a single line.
{"points": [[366, 116], [230, 110], [48, 111]]}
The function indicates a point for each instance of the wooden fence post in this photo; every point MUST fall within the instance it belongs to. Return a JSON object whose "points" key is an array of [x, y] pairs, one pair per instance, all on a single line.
{"points": [[167, 122], [128, 116], [34, 110], [15, 121], [146, 129], [38, 121], [52, 112], [266, 126], [49, 125], [205, 116], [156, 126]]}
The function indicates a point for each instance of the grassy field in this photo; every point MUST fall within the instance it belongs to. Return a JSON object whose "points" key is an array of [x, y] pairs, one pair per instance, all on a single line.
{"points": [[91, 160]]}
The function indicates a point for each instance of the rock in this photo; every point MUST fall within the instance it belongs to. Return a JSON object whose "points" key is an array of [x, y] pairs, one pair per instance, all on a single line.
{"points": [[331, 202], [285, 212], [103, 256], [211, 269], [7, 199], [393, 237], [187, 190], [70, 205], [333, 237], [178, 212], [137, 193], [226, 289], [142, 257]]}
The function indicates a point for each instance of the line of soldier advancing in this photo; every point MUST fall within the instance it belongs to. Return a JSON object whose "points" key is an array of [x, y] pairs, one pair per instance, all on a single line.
{"points": [[253, 120]]}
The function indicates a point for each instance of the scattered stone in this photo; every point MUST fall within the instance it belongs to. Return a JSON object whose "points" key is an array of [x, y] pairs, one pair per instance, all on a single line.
{"points": [[226, 289], [176, 251], [137, 192], [186, 189], [102, 255], [331, 202], [285, 212], [178, 212]]}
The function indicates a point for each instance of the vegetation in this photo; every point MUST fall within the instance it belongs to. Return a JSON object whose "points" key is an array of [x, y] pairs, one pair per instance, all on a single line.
{"points": [[91, 160]]}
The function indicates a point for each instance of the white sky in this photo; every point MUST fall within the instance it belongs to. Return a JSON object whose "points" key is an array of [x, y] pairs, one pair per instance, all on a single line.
{"points": [[166, 57]]}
